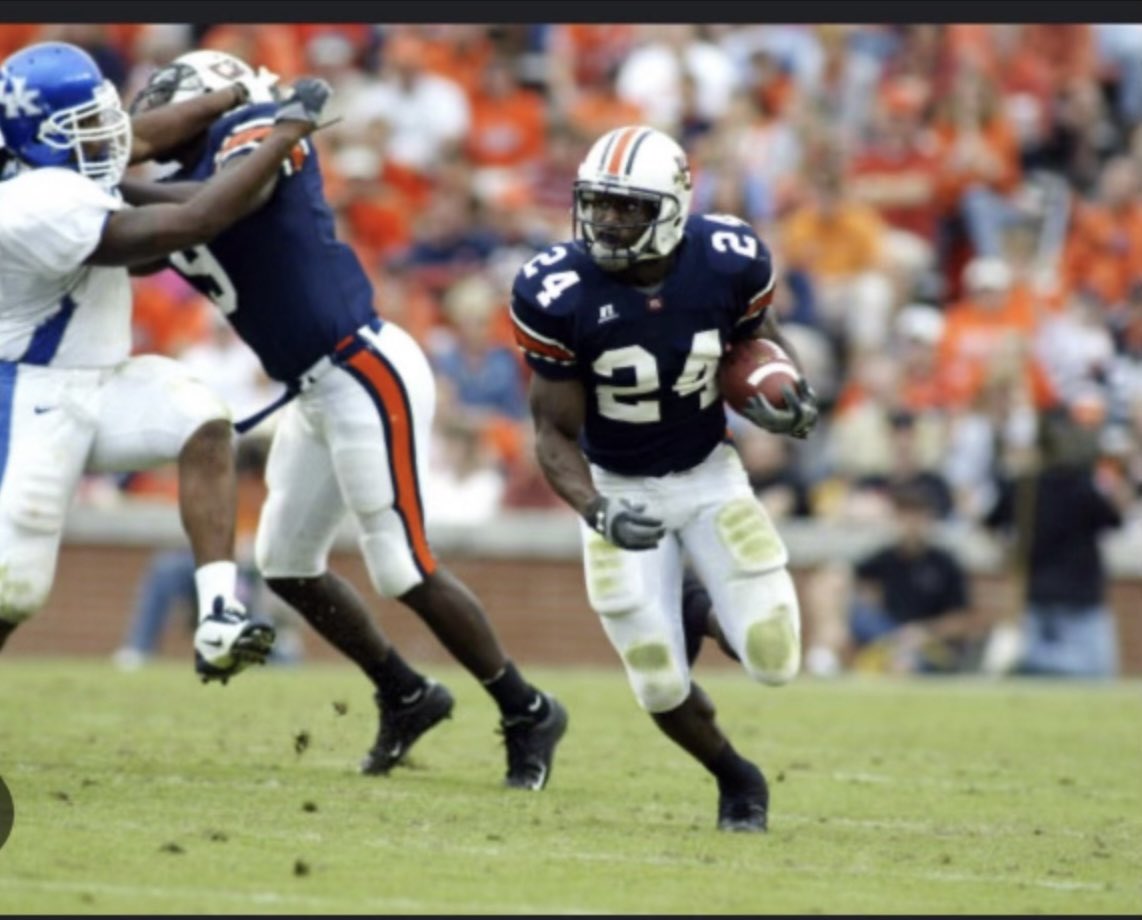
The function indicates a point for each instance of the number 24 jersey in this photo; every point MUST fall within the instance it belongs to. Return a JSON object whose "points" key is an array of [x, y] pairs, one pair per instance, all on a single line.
{"points": [[647, 358]]}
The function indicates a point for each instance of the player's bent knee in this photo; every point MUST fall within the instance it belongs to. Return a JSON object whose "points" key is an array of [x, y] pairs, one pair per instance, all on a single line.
{"points": [[773, 649], [660, 682], [392, 569]]}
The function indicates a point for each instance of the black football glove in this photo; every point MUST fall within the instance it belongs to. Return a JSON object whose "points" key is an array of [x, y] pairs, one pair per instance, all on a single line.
{"points": [[308, 98], [796, 419], [623, 523]]}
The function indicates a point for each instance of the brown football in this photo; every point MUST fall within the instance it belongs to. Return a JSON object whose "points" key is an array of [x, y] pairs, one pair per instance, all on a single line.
{"points": [[755, 366]]}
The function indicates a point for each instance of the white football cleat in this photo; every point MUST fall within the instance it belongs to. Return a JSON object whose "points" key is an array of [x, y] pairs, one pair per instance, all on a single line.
{"points": [[228, 641]]}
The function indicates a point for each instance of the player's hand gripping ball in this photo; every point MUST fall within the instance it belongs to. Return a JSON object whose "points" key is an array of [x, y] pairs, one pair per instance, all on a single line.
{"points": [[760, 381]]}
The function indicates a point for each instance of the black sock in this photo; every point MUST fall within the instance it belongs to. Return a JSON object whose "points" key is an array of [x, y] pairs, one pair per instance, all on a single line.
{"points": [[515, 696], [396, 681], [732, 771], [696, 607]]}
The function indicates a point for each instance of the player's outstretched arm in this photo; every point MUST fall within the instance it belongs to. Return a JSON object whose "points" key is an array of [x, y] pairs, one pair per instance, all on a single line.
{"points": [[138, 235], [559, 409], [163, 129]]}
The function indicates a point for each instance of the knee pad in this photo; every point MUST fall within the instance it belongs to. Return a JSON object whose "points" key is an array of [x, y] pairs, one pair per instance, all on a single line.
{"points": [[35, 501], [614, 578], [749, 537], [362, 473], [278, 554], [770, 634], [659, 680], [388, 557]]}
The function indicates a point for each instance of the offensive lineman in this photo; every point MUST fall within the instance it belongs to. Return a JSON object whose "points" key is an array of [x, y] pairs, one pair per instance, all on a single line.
{"points": [[354, 435], [71, 400], [624, 326]]}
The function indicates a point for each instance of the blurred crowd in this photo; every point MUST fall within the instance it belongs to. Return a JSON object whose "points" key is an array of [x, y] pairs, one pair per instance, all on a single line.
{"points": [[954, 211]]}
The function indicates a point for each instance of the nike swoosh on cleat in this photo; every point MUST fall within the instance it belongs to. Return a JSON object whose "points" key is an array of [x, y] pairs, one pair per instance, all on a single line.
{"points": [[213, 643], [534, 705], [412, 697]]}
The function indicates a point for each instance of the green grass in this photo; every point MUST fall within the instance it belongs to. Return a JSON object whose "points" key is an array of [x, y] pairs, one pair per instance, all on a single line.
{"points": [[149, 793]]}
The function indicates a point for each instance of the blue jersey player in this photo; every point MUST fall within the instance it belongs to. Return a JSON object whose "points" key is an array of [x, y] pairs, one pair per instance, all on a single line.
{"points": [[624, 326], [353, 436]]}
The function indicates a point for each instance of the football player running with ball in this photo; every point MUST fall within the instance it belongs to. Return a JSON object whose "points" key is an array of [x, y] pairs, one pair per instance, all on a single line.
{"points": [[72, 399], [624, 327], [353, 437]]}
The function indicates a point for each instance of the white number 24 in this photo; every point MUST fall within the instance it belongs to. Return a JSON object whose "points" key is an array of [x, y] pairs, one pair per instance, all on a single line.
{"points": [[699, 375]]}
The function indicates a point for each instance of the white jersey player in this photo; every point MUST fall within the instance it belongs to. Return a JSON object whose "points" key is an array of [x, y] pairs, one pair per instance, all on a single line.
{"points": [[71, 398]]}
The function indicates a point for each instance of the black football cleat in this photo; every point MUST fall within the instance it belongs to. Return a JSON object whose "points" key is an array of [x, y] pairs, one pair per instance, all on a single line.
{"points": [[402, 725], [531, 746], [745, 809]]}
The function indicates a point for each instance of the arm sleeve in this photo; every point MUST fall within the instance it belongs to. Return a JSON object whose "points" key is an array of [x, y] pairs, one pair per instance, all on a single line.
{"points": [[545, 338], [59, 222]]}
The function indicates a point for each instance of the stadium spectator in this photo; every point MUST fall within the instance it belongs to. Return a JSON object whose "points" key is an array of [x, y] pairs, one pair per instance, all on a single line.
{"points": [[1104, 246], [979, 168], [905, 608], [428, 115], [1057, 514], [897, 172], [507, 134], [653, 76], [485, 374], [840, 243]]}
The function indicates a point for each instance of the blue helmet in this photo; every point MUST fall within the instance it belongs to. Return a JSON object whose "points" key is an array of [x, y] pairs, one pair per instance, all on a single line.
{"points": [[56, 109]]}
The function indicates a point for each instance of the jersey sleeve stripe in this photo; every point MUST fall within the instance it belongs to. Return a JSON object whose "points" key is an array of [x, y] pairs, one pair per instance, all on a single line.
{"points": [[530, 340], [241, 138], [540, 350], [760, 301]]}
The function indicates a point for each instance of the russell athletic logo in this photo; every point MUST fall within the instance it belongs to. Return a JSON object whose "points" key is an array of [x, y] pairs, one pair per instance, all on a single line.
{"points": [[7, 813]]}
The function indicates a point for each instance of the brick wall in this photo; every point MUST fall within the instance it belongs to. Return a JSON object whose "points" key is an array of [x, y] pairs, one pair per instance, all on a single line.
{"points": [[538, 607]]}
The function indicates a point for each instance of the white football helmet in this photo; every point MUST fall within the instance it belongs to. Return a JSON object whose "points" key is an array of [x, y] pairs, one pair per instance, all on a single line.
{"points": [[642, 164], [199, 72]]}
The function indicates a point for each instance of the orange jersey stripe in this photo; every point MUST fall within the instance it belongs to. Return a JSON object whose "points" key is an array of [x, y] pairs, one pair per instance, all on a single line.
{"points": [[528, 343], [620, 150], [758, 304], [401, 455], [245, 137]]}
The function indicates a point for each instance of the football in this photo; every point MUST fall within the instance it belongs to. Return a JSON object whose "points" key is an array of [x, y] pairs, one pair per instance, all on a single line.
{"points": [[755, 366]]}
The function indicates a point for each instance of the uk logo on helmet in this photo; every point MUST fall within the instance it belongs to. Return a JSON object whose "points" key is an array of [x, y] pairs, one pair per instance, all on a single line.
{"points": [[17, 99]]}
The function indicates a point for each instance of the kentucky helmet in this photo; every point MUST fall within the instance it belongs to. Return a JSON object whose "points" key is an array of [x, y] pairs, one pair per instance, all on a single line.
{"points": [[56, 109]]}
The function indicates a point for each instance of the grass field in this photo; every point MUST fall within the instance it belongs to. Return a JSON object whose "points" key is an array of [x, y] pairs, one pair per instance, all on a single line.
{"points": [[147, 792]]}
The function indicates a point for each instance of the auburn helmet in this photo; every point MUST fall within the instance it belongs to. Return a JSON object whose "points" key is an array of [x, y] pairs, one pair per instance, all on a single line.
{"points": [[199, 72], [637, 165], [56, 109]]}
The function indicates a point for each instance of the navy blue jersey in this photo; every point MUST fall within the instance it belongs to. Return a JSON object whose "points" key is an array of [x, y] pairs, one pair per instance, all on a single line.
{"points": [[289, 287], [648, 360]]}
